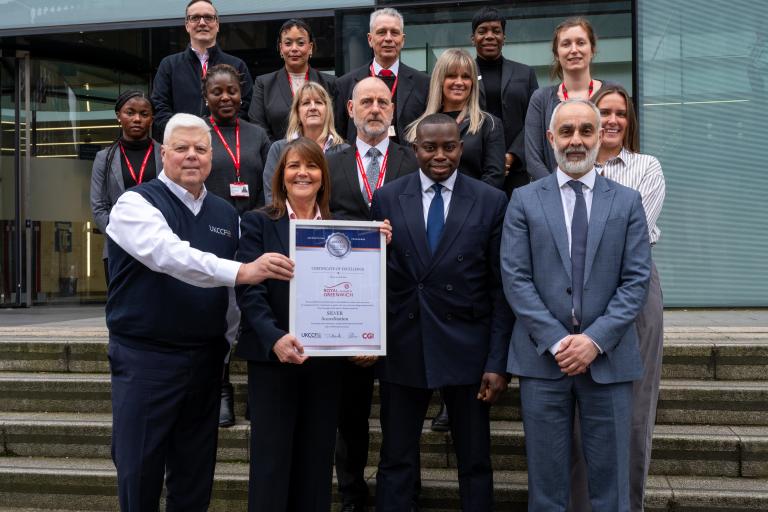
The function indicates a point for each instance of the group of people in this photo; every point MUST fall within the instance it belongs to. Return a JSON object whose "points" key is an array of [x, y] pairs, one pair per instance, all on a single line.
{"points": [[489, 275]]}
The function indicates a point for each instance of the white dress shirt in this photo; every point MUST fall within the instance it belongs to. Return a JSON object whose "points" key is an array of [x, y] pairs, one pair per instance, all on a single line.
{"points": [[428, 193], [568, 198], [362, 149], [141, 230], [394, 68], [642, 173]]}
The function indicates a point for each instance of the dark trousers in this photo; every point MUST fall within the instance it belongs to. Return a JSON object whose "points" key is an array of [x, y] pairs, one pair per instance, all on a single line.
{"points": [[604, 410], [165, 415], [403, 410], [293, 432], [352, 437]]}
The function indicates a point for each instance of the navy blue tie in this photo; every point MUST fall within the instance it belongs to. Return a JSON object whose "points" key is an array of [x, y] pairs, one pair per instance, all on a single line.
{"points": [[579, 224], [435, 218]]}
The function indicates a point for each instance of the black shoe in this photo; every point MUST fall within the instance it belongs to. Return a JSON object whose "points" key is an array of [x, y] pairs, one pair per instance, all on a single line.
{"points": [[227, 411], [354, 508], [441, 423]]}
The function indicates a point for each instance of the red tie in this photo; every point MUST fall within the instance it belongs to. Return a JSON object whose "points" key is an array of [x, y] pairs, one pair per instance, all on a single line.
{"points": [[205, 68], [386, 73]]}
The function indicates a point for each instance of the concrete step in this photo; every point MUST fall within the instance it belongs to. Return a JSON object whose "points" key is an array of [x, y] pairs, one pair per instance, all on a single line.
{"points": [[683, 450], [681, 401], [688, 353], [88, 484]]}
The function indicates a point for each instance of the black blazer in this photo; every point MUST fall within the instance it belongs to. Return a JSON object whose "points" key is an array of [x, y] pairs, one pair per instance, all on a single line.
{"points": [[178, 85], [447, 319], [410, 97], [347, 201], [483, 153], [272, 98], [263, 306], [518, 82]]}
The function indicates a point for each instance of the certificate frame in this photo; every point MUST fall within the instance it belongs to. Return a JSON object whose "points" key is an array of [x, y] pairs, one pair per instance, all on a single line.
{"points": [[328, 278]]}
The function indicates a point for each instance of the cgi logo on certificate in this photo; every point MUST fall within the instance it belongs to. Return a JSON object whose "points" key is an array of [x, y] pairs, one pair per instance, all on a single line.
{"points": [[338, 245]]}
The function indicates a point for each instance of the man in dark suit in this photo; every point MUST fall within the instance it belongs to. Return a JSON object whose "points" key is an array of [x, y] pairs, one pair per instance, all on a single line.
{"points": [[506, 87], [576, 264], [372, 160], [177, 87], [409, 87], [448, 324]]}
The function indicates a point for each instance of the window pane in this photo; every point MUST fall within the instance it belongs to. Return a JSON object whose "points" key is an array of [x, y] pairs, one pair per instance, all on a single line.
{"points": [[702, 101]]}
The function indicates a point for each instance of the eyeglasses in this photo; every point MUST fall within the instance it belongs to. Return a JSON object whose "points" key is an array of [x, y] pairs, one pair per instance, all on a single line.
{"points": [[208, 18]]}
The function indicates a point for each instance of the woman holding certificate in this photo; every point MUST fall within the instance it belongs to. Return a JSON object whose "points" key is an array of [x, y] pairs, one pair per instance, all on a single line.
{"points": [[293, 398]]}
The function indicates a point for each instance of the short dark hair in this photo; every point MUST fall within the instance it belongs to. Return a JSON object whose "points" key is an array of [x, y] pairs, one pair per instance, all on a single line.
{"points": [[309, 150], [192, 2], [435, 119], [488, 14], [298, 23], [127, 96], [221, 69]]}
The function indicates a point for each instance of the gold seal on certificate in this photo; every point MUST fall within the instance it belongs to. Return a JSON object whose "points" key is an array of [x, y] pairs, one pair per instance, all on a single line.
{"points": [[338, 292]]}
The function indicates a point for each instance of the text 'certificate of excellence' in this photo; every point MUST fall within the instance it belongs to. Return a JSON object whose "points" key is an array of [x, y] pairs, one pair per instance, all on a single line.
{"points": [[338, 290]]}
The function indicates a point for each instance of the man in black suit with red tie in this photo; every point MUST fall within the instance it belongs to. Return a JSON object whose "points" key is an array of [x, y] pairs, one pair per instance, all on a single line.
{"points": [[371, 161], [448, 325], [506, 87], [409, 86]]}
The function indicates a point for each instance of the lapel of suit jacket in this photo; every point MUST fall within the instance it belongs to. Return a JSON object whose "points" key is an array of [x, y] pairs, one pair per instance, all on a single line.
{"points": [[284, 86], [281, 228], [394, 162], [506, 75], [552, 204], [602, 199], [462, 202], [116, 169], [413, 213], [351, 172], [404, 88]]}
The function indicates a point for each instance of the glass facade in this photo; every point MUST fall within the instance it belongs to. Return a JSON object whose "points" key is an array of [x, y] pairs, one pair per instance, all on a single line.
{"points": [[702, 95]]}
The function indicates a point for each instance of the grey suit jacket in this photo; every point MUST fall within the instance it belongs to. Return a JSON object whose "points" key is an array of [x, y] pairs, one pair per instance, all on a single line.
{"points": [[536, 273], [107, 185]]}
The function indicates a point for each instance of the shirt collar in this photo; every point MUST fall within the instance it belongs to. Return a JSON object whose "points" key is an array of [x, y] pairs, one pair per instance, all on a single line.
{"points": [[427, 182], [203, 56], [363, 147], [395, 68], [587, 179], [292, 214], [179, 191]]}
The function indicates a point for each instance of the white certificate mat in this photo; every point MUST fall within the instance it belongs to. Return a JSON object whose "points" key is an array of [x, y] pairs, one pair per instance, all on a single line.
{"points": [[338, 292]]}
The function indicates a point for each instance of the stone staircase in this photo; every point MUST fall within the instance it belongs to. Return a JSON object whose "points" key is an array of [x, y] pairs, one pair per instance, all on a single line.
{"points": [[710, 449]]}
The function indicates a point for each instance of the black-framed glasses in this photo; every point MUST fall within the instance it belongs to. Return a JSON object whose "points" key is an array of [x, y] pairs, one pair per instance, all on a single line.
{"points": [[208, 18]]}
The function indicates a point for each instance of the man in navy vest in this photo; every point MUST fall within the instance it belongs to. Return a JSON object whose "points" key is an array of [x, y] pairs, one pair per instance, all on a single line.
{"points": [[171, 249]]}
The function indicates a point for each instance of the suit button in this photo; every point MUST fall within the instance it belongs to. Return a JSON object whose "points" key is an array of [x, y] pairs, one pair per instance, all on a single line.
{"points": [[449, 316], [449, 287], [460, 257], [568, 290], [411, 316], [421, 286]]}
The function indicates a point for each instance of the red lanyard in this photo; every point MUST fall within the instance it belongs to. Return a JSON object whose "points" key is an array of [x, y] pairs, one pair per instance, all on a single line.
{"points": [[143, 163], [290, 81], [236, 160], [382, 172], [394, 85], [205, 68], [565, 91]]}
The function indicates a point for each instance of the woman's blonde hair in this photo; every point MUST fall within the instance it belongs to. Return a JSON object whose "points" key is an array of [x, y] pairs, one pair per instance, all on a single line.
{"points": [[454, 58], [294, 122]]}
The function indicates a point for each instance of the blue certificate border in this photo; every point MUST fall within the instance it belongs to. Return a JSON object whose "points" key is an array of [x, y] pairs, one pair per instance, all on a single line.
{"points": [[309, 235]]}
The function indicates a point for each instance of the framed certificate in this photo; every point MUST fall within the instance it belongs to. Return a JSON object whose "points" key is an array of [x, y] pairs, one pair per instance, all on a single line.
{"points": [[338, 292]]}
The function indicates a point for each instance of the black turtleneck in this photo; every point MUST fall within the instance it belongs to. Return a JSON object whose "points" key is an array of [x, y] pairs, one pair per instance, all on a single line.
{"points": [[490, 70], [136, 150]]}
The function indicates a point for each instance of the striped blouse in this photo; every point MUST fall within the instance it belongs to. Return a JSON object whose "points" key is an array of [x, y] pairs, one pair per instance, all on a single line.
{"points": [[642, 173]]}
